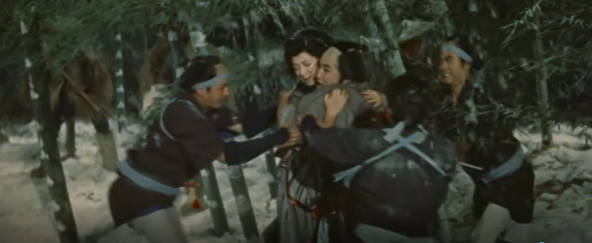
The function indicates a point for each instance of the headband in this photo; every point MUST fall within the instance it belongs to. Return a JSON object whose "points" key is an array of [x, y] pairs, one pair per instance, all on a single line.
{"points": [[211, 82], [459, 52]]}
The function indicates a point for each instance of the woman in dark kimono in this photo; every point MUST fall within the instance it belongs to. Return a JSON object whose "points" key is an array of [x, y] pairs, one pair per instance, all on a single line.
{"points": [[486, 146]]}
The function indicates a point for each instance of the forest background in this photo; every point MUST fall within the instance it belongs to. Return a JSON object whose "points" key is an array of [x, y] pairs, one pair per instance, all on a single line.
{"points": [[537, 51]]}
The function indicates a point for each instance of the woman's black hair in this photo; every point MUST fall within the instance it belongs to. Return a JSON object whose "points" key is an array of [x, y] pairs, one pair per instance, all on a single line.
{"points": [[199, 69], [310, 40], [465, 43]]}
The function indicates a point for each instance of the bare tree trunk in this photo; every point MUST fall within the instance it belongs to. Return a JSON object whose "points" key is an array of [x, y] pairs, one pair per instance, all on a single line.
{"points": [[541, 77], [50, 154], [52, 165]]}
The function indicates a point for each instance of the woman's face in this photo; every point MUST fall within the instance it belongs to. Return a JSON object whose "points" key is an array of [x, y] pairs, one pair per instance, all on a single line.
{"points": [[453, 70], [329, 73], [305, 67]]}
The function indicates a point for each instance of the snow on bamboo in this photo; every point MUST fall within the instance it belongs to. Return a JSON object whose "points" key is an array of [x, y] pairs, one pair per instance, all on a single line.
{"points": [[120, 90]]}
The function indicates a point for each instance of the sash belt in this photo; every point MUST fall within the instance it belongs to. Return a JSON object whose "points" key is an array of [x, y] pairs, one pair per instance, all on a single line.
{"points": [[512, 165], [147, 182]]}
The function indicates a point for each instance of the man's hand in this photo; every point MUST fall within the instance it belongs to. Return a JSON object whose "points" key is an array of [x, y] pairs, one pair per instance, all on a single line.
{"points": [[238, 128], [335, 102], [221, 159], [295, 138]]}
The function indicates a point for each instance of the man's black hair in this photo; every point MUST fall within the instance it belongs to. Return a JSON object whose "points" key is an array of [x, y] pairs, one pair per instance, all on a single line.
{"points": [[357, 64], [199, 69], [351, 61]]}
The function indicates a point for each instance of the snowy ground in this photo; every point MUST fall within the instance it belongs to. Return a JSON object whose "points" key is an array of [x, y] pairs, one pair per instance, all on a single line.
{"points": [[23, 218], [562, 214], [563, 176]]}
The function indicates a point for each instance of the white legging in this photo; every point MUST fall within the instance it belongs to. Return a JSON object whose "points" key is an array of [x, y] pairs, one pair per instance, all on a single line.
{"points": [[162, 226]]}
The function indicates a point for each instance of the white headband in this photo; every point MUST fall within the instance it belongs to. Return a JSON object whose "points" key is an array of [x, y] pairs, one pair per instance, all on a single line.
{"points": [[211, 82], [459, 52]]}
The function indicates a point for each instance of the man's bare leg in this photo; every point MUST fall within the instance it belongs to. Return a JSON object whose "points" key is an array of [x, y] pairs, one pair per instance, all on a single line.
{"points": [[491, 225]]}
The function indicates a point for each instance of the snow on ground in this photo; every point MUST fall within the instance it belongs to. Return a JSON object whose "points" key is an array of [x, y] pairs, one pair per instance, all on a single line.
{"points": [[563, 178], [23, 217]]}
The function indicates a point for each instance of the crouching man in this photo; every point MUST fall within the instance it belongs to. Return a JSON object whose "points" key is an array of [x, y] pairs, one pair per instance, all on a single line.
{"points": [[183, 140]]}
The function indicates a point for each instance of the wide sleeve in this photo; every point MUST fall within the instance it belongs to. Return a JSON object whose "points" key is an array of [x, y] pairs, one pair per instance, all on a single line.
{"points": [[197, 137], [242, 152], [256, 120]]}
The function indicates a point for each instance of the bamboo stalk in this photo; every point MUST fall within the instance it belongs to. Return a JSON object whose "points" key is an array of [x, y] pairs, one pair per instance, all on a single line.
{"points": [[120, 90], [215, 202], [243, 202], [269, 156], [542, 76], [390, 37], [50, 154]]}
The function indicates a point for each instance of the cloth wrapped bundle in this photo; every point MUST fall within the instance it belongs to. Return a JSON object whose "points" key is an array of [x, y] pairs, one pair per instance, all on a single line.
{"points": [[399, 191]]}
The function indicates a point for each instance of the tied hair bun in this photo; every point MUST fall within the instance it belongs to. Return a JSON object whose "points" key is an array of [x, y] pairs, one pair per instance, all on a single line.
{"points": [[306, 39], [198, 59]]}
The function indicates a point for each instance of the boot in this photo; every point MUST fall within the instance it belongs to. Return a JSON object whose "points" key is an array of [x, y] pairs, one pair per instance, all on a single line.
{"points": [[108, 151]]}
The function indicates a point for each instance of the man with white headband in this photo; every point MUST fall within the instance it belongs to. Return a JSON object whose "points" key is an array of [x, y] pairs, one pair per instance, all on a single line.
{"points": [[486, 146], [181, 141]]}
